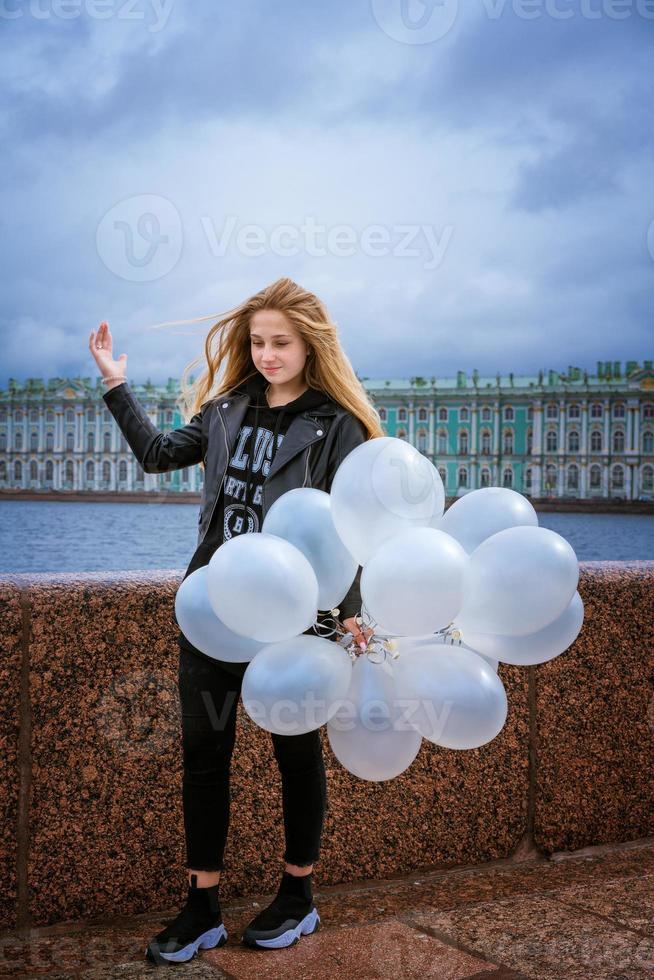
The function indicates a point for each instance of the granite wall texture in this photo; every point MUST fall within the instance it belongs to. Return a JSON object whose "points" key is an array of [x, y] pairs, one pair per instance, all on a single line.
{"points": [[91, 757]]}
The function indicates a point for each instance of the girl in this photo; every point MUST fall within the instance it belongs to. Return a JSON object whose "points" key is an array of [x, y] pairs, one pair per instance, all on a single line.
{"points": [[278, 406]]}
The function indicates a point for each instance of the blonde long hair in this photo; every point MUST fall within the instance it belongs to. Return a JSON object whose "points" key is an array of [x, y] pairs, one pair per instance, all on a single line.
{"points": [[228, 361]]}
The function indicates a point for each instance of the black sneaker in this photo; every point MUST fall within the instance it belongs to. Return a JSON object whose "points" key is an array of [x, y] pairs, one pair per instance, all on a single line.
{"points": [[290, 915], [198, 926]]}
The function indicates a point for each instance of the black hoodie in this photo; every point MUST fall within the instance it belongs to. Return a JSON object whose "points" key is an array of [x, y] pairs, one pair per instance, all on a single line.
{"points": [[239, 507]]}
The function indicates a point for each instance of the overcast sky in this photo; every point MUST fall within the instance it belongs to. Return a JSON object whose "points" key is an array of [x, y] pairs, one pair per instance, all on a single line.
{"points": [[463, 188]]}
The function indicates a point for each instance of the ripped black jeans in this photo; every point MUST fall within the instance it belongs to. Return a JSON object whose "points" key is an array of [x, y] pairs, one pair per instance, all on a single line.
{"points": [[209, 697]]}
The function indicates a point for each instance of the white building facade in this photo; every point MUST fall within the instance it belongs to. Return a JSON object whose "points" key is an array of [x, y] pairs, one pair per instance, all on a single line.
{"points": [[571, 435]]}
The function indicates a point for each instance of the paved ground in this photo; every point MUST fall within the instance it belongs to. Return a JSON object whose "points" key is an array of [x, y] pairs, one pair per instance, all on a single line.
{"points": [[590, 915]]}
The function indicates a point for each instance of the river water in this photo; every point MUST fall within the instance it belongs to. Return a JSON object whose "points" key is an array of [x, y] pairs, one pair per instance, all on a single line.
{"points": [[58, 536]]}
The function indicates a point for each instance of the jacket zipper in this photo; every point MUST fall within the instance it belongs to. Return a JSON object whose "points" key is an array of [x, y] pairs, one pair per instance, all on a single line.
{"points": [[223, 478], [306, 468]]}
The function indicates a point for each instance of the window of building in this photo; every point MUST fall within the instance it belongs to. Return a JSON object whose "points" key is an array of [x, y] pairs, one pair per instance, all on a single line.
{"points": [[573, 441], [442, 442], [647, 479], [507, 477], [596, 410], [648, 441], [507, 443], [463, 476], [618, 410], [595, 478], [463, 443], [617, 478], [574, 412], [552, 411], [551, 441], [401, 415], [573, 478], [508, 413], [442, 415], [596, 441], [618, 441]]}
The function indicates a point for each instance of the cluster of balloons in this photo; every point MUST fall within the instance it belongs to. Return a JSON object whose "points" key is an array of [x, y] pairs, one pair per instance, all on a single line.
{"points": [[447, 595]]}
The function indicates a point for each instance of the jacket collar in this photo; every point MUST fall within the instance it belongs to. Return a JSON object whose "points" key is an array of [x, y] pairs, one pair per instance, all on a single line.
{"points": [[313, 401]]}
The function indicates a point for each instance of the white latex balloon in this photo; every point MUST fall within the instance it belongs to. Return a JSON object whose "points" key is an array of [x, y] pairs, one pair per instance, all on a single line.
{"points": [[414, 581], [382, 487], [454, 698], [479, 514], [262, 587], [201, 627], [518, 581], [367, 733], [303, 517], [296, 686], [534, 648]]}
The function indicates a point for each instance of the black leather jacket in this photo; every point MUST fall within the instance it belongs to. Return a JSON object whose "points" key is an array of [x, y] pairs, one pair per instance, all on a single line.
{"points": [[316, 443]]}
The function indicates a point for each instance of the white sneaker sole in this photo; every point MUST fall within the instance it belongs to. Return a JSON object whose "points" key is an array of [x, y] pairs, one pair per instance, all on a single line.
{"points": [[308, 925], [208, 940]]}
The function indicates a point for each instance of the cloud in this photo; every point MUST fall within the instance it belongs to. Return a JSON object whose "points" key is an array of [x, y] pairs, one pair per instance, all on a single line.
{"points": [[507, 167]]}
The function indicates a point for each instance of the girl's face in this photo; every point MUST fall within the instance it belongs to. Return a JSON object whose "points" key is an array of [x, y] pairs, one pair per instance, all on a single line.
{"points": [[278, 350]]}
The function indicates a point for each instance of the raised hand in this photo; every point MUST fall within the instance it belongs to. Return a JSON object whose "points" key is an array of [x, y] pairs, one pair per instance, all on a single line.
{"points": [[101, 347]]}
